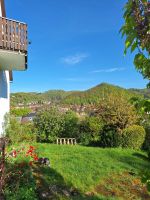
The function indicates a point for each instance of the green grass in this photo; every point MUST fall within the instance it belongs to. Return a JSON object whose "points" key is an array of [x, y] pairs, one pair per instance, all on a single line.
{"points": [[81, 173], [84, 168]]}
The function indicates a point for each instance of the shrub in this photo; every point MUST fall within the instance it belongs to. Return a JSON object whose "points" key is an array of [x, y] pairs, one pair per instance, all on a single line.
{"points": [[85, 136], [17, 132], [133, 137], [110, 137], [146, 144], [19, 181], [90, 130]]}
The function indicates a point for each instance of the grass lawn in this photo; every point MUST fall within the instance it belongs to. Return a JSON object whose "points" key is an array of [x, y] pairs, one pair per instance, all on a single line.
{"points": [[80, 173]]}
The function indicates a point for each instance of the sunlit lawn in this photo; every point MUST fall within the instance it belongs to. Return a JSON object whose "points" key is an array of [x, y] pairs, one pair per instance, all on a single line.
{"points": [[80, 173], [95, 172]]}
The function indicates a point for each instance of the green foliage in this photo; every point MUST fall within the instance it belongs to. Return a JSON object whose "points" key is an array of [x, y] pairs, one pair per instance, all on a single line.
{"points": [[71, 125], [142, 105], [146, 144], [110, 137], [90, 130], [17, 132], [49, 124], [20, 112], [19, 181], [116, 111], [137, 30], [133, 137], [24, 192]]}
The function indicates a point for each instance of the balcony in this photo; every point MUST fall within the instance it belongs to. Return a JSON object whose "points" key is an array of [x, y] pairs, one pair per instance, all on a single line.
{"points": [[13, 45]]}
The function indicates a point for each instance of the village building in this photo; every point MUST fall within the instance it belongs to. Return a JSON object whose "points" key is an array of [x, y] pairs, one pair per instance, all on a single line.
{"points": [[28, 118]]}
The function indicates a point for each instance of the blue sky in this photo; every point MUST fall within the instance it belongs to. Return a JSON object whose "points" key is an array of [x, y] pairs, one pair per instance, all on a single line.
{"points": [[75, 45]]}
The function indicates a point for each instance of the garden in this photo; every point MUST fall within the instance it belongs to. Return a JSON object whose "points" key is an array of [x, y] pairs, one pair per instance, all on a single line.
{"points": [[75, 172], [112, 158]]}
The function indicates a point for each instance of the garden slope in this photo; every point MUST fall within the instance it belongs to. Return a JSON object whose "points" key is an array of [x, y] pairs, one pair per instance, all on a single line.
{"points": [[94, 173]]}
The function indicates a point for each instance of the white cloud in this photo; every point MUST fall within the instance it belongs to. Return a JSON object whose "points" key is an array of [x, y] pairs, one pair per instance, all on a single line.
{"points": [[77, 79], [74, 59], [110, 70]]}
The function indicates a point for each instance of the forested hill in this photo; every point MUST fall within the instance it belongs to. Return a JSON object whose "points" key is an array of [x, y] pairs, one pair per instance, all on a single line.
{"points": [[98, 92], [53, 96], [89, 96], [145, 92]]}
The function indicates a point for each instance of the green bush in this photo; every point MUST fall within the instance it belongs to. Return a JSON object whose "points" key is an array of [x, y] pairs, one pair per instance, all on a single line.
{"points": [[90, 130], [85, 136], [110, 137], [146, 144], [133, 137], [18, 132]]}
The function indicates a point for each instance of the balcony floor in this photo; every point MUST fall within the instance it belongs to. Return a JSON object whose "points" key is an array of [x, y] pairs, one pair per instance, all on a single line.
{"points": [[12, 60]]}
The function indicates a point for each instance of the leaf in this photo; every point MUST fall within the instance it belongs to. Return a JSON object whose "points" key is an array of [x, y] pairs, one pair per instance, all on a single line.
{"points": [[133, 47], [127, 44], [148, 85], [148, 186], [125, 51]]}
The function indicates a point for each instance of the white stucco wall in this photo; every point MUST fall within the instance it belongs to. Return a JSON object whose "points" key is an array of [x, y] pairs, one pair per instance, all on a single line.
{"points": [[4, 95]]}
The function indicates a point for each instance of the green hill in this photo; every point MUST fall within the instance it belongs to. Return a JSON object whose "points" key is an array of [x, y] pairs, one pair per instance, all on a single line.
{"points": [[90, 96], [53, 96], [93, 95], [145, 92]]}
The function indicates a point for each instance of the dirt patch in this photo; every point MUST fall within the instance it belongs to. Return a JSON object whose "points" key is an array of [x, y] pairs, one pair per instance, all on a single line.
{"points": [[124, 186]]}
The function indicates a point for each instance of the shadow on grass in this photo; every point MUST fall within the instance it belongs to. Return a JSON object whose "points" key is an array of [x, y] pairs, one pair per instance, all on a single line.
{"points": [[141, 156], [135, 161], [19, 183], [52, 186]]}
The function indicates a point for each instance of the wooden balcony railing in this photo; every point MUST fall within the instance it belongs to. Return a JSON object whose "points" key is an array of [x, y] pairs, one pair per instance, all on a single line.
{"points": [[13, 35]]}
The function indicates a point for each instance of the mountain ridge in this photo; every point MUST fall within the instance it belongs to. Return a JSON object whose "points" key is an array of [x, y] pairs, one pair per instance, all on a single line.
{"points": [[91, 95]]}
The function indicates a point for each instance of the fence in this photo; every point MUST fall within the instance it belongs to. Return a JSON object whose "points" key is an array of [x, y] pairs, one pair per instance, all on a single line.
{"points": [[13, 35], [68, 141]]}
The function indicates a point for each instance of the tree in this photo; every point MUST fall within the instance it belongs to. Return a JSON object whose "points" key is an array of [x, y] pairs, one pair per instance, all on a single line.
{"points": [[17, 132], [117, 112], [49, 124], [71, 124], [20, 112], [137, 31]]}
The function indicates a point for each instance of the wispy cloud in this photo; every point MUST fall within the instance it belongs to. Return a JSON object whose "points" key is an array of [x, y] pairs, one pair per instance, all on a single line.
{"points": [[110, 70], [77, 79], [74, 59]]}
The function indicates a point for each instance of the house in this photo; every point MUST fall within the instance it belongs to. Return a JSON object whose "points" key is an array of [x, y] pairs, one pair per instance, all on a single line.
{"points": [[28, 118], [13, 56]]}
